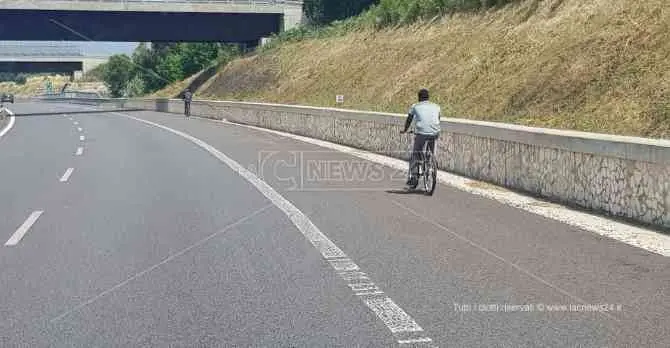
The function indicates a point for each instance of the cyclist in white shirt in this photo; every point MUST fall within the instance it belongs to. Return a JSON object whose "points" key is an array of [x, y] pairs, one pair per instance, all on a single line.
{"points": [[427, 116]]}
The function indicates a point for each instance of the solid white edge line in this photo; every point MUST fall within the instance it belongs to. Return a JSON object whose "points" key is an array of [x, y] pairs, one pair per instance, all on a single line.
{"points": [[639, 237], [392, 315], [12, 120], [415, 340], [80, 151], [642, 238], [67, 174], [23, 229]]}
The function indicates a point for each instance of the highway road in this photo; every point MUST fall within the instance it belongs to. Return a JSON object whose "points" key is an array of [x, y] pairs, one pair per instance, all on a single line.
{"points": [[142, 229]]}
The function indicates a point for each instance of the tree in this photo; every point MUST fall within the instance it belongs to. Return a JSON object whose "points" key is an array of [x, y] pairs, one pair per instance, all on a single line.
{"points": [[116, 74], [170, 68], [197, 56], [146, 60], [135, 87]]}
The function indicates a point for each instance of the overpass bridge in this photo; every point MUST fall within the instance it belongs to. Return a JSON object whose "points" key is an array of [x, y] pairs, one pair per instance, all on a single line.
{"points": [[46, 58], [238, 21]]}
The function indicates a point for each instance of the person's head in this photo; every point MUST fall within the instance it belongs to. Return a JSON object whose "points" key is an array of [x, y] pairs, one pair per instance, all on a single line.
{"points": [[423, 94]]}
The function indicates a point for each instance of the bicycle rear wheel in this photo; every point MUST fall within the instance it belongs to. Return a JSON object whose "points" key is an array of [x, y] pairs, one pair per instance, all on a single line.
{"points": [[430, 174]]}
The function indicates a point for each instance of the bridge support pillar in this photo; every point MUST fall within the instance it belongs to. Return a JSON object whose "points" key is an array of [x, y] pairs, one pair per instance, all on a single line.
{"points": [[292, 18]]}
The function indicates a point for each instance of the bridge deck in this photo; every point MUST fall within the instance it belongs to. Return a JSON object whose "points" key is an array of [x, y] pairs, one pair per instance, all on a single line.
{"points": [[209, 6]]}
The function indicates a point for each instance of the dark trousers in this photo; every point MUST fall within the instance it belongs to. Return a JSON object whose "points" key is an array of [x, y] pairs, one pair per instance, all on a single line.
{"points": [[420, 142], [187, 108]]}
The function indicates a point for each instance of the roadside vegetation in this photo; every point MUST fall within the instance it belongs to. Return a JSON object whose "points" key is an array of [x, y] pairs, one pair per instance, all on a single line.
{"points": [[155, 66], [589, 65], [36, 84], [19, 79]]}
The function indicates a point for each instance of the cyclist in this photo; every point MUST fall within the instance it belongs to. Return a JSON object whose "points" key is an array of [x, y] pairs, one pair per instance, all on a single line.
{"points": [[427, 116], [187, 102]]}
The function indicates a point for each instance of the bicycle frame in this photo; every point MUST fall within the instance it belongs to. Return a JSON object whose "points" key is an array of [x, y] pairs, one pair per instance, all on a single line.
{"points": [[425, 155]]}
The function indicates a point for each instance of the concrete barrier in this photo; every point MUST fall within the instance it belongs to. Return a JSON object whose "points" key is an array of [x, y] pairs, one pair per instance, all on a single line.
{"points": [[622, 176]]}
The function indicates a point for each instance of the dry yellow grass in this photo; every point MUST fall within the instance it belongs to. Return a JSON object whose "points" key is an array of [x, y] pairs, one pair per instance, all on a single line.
{"points": [[35, 85], [172, 90], [592, 65]]}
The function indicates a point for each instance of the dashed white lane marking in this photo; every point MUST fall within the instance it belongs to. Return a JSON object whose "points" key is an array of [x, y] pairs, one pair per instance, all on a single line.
{"points": [[632, 235], [401, 324], [23, 229], [82, 138], [79, 129], [67, 174], [80, 151], [76, 123], [10, 124]]}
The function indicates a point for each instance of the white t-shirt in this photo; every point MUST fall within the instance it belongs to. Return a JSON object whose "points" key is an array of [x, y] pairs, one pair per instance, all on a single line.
{"points": [[427, 116]]}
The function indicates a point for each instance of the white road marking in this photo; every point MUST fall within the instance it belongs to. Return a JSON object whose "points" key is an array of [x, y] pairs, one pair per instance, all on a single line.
{"points": [[166, 260], [80, 151], [76, 123], [632, 235], [415, 340], [489, 252], [82, 138], [79, 129], [9, 126], [394, 317], [21, 231], [67, 174]]}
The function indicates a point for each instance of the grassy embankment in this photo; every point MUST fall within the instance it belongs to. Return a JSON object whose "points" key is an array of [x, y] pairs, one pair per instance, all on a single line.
{"points": [[591, 65]]}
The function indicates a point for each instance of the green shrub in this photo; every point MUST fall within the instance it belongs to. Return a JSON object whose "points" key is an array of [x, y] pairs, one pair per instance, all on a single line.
{"points": [[394, 12]]}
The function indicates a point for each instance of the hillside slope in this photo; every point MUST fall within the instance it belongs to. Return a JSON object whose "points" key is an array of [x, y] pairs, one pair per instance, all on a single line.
{"points": [[593, 65]]}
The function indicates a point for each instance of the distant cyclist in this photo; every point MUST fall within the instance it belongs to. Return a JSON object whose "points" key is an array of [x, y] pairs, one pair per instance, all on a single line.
{"points": [[427, 116], [188, 96]]}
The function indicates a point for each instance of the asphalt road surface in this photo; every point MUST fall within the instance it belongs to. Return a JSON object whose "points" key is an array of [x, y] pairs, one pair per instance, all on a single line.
{"points": [[122, 233]]}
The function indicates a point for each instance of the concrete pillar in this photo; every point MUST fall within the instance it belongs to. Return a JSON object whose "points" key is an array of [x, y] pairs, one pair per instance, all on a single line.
{"points": [[292, 18]]}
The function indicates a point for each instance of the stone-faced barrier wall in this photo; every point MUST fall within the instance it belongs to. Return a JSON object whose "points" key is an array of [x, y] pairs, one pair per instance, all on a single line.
{"points": [[622, 176]]}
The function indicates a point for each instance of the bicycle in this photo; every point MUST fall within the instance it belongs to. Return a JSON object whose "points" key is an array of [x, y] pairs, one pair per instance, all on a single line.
{"points": [[427, 166]]}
